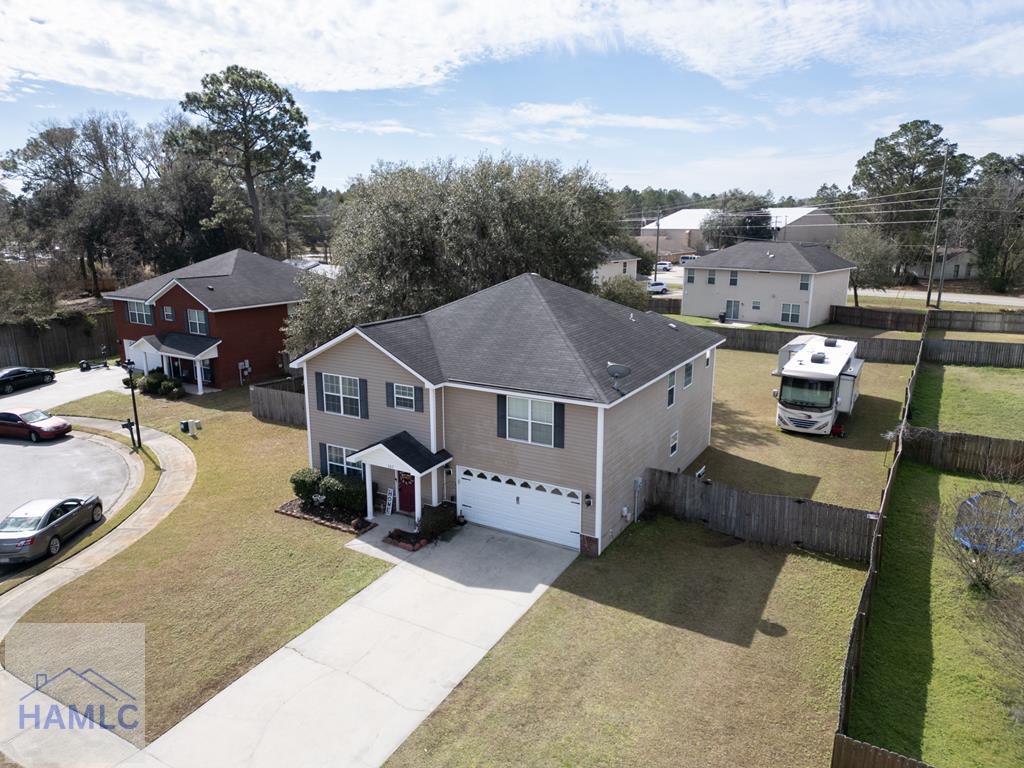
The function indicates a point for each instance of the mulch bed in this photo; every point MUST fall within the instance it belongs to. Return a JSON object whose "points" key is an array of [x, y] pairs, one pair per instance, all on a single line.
{"points": [[326, 516], [407, 540]]}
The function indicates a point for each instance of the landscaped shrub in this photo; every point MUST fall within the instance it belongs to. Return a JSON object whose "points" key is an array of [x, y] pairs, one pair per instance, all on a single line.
{"points": [[177, 393], [306, 483], [345, 494], [166, 387], [127, 380], [436, 520]]}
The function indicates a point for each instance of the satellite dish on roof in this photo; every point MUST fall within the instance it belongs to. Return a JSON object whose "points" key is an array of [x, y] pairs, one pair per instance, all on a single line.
{"points": [[617, 370]]}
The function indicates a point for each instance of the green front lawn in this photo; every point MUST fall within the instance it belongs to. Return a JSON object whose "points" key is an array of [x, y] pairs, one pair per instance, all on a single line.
{"points": [[914, 304], [927, 689], [1005, 338], [829, 329], [979, 401], [750, 452], [677, 647], [223, 582]]}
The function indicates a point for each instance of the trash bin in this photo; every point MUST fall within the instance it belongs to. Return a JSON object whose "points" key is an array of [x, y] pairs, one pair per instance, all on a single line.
{"points": [[721, 317], [183, 425]]}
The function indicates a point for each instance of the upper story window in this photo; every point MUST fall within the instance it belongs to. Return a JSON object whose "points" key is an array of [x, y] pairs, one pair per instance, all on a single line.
{"points": [[711, 277], [689, 275], [805, 282], [671, 389], [341, 394], [687, 375], [168, 313], [405, 397], [530, 421], [623, 267], [140, 313], [673, 444], [734, 277], [197, 322]]}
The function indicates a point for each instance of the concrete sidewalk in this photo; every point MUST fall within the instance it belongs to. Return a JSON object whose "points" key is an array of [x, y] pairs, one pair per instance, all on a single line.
{"points": [[1011, 302], [350, 690]]}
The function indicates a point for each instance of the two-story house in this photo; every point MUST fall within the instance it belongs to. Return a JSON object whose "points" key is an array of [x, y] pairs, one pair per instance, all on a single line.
{"points": [[533, 406], [217, 323], [767, 282]]}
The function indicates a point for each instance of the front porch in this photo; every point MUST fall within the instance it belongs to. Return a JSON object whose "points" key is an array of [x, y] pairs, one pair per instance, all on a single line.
{"points": [[186, 357], [406, 462]]}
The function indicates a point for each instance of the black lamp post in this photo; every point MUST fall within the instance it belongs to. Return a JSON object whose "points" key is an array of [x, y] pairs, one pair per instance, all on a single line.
{"points": [[129, 366]]}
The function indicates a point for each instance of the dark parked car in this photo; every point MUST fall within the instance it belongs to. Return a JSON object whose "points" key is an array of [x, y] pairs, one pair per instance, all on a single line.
{"points": [[39, 528], [17, 378], [32, 424]]}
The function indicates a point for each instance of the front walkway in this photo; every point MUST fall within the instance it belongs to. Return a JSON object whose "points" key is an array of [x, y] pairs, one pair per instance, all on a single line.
{"points": [[348, 691]]}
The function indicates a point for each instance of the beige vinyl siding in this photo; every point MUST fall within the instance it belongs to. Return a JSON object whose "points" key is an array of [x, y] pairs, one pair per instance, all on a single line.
{"points": [[469, 431], [358, 358], [829, 288], [636, 436]]}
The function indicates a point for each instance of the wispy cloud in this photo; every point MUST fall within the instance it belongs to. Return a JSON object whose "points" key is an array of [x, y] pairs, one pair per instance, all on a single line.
{"points": [[842, 103], [386, 127], [162, 49]]}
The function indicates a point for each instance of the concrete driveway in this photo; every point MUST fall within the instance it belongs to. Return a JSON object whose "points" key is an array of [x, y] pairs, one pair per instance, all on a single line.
{"points": [[68, 466], [68, 386], [349, 691]]}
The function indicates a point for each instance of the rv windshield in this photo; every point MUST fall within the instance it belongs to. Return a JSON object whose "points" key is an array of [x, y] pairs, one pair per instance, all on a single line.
{"points": [[806, 393]]}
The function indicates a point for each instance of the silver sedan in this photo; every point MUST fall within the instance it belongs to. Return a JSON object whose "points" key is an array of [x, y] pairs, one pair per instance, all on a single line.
{"points": [[40, 528]]}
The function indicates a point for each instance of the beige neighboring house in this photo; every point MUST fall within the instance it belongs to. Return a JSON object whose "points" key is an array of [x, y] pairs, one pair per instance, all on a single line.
{"points": [[958, 264], [616, 263], [759, 282], [681, 230], [505, 404]]}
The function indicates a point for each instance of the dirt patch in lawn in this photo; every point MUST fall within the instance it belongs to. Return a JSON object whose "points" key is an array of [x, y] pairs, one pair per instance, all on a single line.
{"points": [[668, 650], [748, 451]]}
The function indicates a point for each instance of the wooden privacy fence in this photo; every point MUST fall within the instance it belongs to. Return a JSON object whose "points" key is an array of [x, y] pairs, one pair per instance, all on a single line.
{"points": [[873, 350], [778, 520], [59, 342], [968, 454], [959, 352], [991, 322], [850, 753], [890, 319], [282, 401], [667, 305]]}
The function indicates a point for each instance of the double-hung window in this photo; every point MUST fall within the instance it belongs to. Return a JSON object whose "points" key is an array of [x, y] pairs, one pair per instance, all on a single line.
{"points": [[530, 421], [140, 313], [689, 276], [687, 375], [755, 304], [341, 394], [339, 464], [405, 397], [673, 444], [671, 389], [734, 277], [805, 282], [197, 322], [711, 277], [168, 313], [791, 313], [623, 267]]}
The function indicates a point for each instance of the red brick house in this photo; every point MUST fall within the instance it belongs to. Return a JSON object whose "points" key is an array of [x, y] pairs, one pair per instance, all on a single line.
{"points": [[214, 324]]}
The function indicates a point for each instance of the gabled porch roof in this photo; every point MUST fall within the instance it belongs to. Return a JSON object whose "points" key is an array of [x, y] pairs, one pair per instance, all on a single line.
{"points": [[186, 345], [403, 452]]}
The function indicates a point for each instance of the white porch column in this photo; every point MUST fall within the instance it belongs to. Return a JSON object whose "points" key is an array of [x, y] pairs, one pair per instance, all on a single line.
{"points": [[419, 498], [433, 487], [166, 362], [199, 376], [368, 475]]}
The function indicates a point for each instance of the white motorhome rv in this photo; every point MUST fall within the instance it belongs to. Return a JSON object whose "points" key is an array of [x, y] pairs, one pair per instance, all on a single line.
{"points": [[820, 380]]}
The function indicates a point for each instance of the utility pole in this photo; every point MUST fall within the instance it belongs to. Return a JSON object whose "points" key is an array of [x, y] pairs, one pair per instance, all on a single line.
{"points": [[935, 234], [657, 242], [942, 272]]}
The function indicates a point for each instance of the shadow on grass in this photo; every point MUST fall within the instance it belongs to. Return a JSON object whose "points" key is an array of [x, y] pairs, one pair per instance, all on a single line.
{"points": [[890, 695], [735, 428], [753, 476], [679, 574]]}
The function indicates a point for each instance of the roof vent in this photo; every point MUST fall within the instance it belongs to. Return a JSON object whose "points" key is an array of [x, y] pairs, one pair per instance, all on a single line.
{"points": [[631, 318], [830, 342], [209, 287], [770, 255], [673, 326], [818, 357]]}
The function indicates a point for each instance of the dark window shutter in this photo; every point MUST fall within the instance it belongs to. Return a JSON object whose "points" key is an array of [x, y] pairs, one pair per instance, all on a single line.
{"points": [[364, 406], [389, 394], [419, 398], [126, 315], [319, 391], [501, 415], [559, 425], [323, 459]]}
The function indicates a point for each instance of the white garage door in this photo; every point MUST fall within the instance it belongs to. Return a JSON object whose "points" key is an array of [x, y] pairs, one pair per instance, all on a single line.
{"points": [[526, 507]]}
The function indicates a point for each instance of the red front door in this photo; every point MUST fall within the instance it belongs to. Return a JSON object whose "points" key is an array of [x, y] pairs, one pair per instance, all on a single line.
{"points": [[406, 493]]}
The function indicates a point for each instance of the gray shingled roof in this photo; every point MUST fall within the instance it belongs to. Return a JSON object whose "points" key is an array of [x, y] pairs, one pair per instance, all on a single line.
{"points": [[785, 257], [411, 451], [187, 344], [234, 279], [534, 335]]}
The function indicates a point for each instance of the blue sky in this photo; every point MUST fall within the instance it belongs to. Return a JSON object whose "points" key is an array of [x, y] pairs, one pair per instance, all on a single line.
{"points": [[696, 95]]}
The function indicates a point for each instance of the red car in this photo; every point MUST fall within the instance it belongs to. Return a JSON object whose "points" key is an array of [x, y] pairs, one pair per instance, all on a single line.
{"points": [[32, 424]]}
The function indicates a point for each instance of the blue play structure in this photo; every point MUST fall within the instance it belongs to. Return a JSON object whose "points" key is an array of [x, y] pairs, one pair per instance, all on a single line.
{"points": [[990, 521]]}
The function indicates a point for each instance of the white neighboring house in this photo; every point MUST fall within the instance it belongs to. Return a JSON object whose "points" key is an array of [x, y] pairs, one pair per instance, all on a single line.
{"points": [[958, 264], [759, 282], [616, 263], [310, 262], [681, 229]]}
